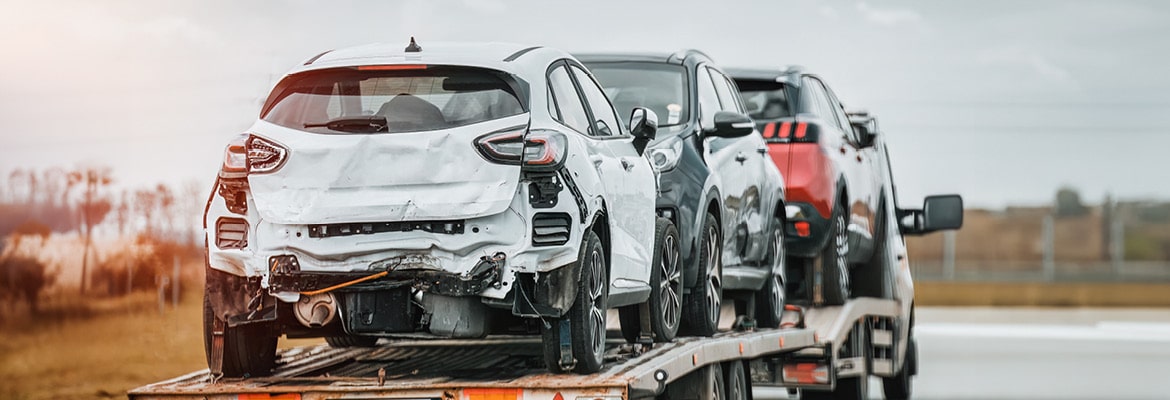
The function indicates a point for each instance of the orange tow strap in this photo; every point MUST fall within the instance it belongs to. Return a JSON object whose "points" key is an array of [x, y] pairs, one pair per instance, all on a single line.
{"points": [[341, 285]]}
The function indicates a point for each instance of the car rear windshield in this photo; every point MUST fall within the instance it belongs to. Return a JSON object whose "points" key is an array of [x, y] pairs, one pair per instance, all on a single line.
{"points": [[386, 99], [659, 87], [766, 100]]}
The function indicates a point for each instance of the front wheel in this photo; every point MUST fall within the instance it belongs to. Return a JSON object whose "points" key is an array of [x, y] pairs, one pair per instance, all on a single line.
{"points": [[703, 304], [586, 317], [898, 387], [247, 351]]}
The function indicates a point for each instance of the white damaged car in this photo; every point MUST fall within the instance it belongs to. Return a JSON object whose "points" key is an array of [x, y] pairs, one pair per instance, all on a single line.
{"points": [[460, 191]]}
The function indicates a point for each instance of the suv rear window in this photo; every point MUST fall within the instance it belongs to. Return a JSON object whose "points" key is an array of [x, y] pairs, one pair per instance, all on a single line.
{"points": [[766, 100], [409, 99]]}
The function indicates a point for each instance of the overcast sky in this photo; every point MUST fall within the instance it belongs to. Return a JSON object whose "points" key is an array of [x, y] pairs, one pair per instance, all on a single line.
{"points": [[1001, 101]]}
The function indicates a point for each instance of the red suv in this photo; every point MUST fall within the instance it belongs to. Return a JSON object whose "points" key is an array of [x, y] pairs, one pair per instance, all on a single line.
{"points": [[832, 172]]}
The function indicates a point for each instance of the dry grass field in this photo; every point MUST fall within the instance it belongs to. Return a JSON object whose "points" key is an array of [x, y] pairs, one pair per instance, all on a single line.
{"points": [[101, 348]]}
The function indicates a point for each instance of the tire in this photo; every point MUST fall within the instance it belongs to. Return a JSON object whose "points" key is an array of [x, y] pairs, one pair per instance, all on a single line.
{"points": [[899, 387], [770, 299], [247, 351], [834, 261], [665, 302], [875, 278], [586, 316], [735, 378], [702, 305], [351, 341]]}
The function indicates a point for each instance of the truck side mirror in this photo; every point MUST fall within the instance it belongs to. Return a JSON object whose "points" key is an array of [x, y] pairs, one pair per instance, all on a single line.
{"points": [[939, 212], [644, 126]]}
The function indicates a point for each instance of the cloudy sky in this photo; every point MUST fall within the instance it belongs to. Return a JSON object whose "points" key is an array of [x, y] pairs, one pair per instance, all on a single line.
{"points": [[1001, 101]]}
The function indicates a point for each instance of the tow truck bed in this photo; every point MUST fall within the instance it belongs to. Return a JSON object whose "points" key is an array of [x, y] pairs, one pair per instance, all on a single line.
{"points": [[508, 366]]}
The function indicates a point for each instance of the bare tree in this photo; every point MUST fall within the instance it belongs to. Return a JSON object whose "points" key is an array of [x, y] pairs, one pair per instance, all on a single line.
{"points": [[122, 213], [94, 207], [144, 203], [166, 207], [194, 200]]}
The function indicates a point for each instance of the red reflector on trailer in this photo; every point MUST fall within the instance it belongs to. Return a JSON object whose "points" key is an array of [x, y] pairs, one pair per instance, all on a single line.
{"points": [[558, 396], [802, 228], [396, 67], [806, 373], [801, 129]]}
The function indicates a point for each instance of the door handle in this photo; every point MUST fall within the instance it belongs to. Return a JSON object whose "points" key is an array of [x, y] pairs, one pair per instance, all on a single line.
{"points": [[859, 158], [740, 158], [627, 165], [597, 160], [762, 150]]}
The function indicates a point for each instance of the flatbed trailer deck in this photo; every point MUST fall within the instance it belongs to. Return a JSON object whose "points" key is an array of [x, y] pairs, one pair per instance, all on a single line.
{"points": [[511, 367]]}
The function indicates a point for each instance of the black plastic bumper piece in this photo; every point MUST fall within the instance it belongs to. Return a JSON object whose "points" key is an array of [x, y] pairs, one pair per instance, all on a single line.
{"points": [[485, 274], [546, 294], [811, 245]]}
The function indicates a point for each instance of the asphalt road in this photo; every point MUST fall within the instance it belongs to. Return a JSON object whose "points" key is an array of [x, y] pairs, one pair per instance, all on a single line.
{"points": [[990, 353]]}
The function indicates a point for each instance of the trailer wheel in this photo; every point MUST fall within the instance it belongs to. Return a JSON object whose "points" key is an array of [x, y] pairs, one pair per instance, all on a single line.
{"points": [[351, 341], [701, 384], [898, 387], [735, 378], [247, 351], [701, 310], [852, 388], [770, 299], [586, 316], [834, 261]]}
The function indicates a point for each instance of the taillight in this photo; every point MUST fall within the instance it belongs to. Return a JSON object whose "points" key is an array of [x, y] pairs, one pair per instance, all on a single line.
{"points": [[235, 156], [504, 146], [790, 131], [544, 149], [264, 155], [537, 149]]}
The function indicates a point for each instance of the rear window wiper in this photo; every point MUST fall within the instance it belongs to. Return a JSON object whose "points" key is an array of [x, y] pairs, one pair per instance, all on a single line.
{"points": [[364, 124]]}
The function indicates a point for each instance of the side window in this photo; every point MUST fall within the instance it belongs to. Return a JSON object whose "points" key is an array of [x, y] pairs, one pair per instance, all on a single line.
{"points": [[739, 103], [606, 123], [572, 111], [726, 94], [708, 98], [552, 105], [840, 110], [825, 111]]}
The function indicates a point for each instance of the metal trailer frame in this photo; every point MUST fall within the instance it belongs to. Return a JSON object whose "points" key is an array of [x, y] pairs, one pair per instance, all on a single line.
{"points": [[510, 367]]}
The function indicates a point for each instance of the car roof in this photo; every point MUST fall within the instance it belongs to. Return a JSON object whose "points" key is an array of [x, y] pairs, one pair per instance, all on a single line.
{"points": [[784, 75], [518, 59], [677, 57]]}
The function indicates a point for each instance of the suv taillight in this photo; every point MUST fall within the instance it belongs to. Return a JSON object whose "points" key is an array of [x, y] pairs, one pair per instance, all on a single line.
{"points": [[790, 131], [537, 149], [235, 157], [264, 155]]}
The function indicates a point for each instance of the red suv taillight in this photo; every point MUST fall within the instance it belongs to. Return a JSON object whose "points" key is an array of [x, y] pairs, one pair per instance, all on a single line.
{"points": [[790, 132], [537, 149]]}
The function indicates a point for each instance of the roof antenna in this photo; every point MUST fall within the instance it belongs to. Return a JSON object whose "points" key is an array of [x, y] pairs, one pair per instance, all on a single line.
{"points": [[413, 47]]}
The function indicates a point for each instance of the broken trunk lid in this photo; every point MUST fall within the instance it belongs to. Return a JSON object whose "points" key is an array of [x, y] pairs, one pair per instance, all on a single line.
{"points": [[430, 175]]}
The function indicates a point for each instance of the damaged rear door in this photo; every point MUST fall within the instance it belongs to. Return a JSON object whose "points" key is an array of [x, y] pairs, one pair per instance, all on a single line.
{"points": [[386, 144]]}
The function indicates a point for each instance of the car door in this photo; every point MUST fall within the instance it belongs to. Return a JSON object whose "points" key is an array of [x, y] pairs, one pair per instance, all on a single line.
{"points": [[750, 155], [852, 163], [869, 160], [630, 187]]}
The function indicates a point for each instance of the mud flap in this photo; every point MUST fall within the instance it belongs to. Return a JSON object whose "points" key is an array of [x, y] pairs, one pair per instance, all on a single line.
{"points": [[567, 361], [215, 364]]}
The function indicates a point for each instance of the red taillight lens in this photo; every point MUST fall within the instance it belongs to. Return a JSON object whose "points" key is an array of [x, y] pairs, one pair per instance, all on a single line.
{"points": [[790, 131], [235, 156], [265, 155], [544, 149]]}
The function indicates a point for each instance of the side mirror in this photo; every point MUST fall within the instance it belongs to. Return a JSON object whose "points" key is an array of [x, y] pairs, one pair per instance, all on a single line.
{"points": [[731, 125], [941, 212], [866, 128], [643, 125]]}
